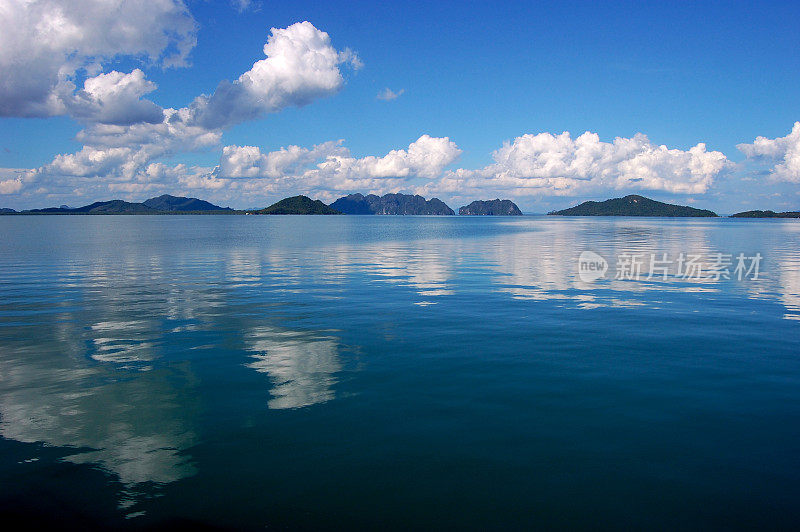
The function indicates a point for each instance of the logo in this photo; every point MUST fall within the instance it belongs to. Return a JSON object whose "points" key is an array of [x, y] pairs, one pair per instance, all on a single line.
{"points": [[591, 266]]}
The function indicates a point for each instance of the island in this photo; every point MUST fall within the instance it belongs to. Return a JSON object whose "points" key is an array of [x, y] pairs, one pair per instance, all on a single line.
{"points": [[296, 205], [633, 205], [495, 207], [766, 214], [98, 207], [403, 204], [165, 204]]}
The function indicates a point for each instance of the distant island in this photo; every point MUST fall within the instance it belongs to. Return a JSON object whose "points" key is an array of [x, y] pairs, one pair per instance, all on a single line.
{"points": [[297, 205], [165, 204], [391, 204], [401, 204], [766, 214], [495, 207], [405, 204], [632, 205]]}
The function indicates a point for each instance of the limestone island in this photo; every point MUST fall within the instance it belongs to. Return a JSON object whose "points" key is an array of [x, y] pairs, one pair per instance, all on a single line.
{"points": [[495, 207], [633, 205], [404, 204]]}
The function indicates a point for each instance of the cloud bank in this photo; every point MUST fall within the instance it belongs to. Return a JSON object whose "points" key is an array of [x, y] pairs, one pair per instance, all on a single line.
{"points": [[782, 152], [545, 163], [330, 167], [541, 164]]}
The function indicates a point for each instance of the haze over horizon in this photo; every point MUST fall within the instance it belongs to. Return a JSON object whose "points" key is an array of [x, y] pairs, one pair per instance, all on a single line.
{"points": [[243, 103]]}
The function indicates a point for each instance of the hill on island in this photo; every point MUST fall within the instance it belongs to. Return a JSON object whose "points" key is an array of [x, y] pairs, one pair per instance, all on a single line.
{"points": [[167, 203], [495, 207], [160, 205], [99, 207], [766, 214], [297, 205], [632, 205], [405, 204]]}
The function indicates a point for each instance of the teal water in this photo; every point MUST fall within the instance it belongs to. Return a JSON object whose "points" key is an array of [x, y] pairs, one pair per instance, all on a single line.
{"points": [[395, 372]]}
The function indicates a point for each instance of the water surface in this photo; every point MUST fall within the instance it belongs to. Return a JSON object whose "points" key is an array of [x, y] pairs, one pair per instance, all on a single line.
{"points": [[322, 372]]}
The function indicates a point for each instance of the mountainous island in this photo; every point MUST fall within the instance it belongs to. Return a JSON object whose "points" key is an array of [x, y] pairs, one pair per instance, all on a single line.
{"points": [[297, 205], [165, 204], [632, 205], [393, 204], [766, 214], [495, 207], [353, 204], [405, 204]]}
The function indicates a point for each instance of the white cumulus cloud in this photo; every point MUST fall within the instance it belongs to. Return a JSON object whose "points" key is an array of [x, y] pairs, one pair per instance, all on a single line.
{"points": [[11, 186], [124, 153], [300, 66], [127, 135], [250, 161], [44, 44], [114, 98], [783, 152], [329, 166], [561, 165], [426, 157]]}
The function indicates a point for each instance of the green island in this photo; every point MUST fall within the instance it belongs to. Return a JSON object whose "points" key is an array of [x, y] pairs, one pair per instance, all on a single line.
{"points": [[633, 205], [766, 214], [390, 204], [296, 205]]}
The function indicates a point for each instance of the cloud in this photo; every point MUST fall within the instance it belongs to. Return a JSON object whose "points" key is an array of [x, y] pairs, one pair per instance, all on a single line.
{"points": [[125, 153], [114, 98], [426, 158], [330, 167], [127, 135], [300, 66], [242, 5], [325, 170], [11, 186], [388, 94], [560, 165], [783, 152], [13, 180], [531, 165], [44, 44], [249, 161]]}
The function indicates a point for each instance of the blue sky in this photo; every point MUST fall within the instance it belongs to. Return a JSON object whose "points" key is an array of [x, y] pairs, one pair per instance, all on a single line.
{"points": [[479, 74]]}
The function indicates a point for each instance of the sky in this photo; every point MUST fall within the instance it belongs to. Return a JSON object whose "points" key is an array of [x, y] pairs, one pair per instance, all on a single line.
{"points": [[243, 102]]}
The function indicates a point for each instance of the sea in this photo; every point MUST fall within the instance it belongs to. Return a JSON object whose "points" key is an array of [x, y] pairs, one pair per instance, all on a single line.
{"points": [[399, 372]]}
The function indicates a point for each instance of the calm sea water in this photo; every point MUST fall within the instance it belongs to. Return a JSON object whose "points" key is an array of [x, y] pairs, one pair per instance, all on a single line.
{"points": [[328, 372]]}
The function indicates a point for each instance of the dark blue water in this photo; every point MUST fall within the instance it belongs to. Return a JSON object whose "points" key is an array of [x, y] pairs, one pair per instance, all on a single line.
{"points": [[404, 372]]}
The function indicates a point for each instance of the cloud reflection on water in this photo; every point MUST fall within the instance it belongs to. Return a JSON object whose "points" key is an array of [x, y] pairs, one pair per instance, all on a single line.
{"points": [[301, 366]]}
